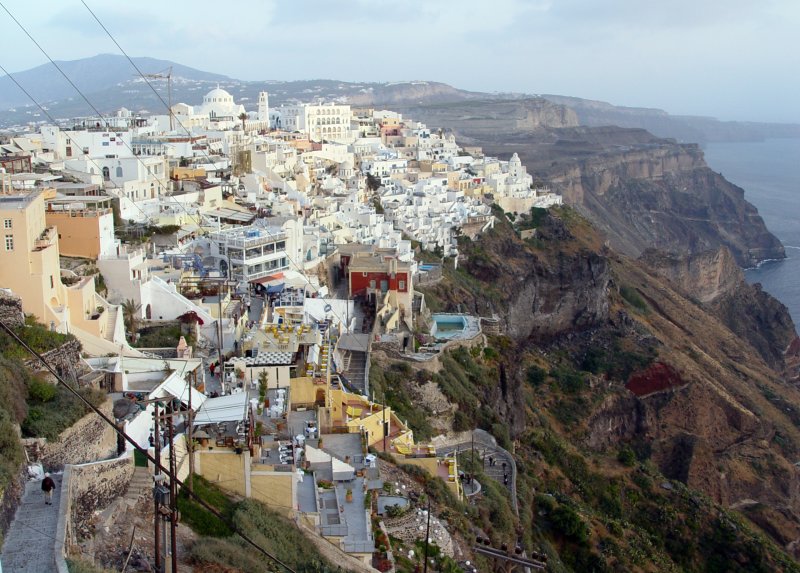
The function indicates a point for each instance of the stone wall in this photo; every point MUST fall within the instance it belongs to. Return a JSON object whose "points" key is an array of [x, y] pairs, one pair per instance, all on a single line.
{"points": [[11, 309], [66, 359], [88, 440], [9, 499], [87, 489]]}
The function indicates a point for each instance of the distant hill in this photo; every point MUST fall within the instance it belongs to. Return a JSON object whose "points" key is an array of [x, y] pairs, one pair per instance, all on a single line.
{"points": [[101, 72], [110, 82]]}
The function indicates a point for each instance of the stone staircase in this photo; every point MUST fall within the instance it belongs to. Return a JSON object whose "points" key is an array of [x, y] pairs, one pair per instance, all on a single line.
{"points": [[141, 484], [111, 321], [29, 545]]}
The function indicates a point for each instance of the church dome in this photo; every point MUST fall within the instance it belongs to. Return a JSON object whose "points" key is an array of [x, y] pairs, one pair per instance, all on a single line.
{"points": [[218, 95]]}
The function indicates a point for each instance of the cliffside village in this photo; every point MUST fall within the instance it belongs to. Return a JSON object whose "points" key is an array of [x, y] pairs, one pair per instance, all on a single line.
{"points": [[288, 244]]}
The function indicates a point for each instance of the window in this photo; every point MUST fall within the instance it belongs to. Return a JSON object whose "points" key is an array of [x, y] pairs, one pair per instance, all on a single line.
{"points": [[372, 284], [9, 242], [119, 171], [7, 223], [401, 285]]}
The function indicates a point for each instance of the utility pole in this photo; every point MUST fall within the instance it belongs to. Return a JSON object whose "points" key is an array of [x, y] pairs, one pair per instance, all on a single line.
{"points": [[190, 431], [427, 534], [173, 496], [156, 485]]}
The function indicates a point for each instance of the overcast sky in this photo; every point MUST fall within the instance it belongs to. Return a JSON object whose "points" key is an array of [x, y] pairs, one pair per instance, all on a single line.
{"points": [[731, 59]]}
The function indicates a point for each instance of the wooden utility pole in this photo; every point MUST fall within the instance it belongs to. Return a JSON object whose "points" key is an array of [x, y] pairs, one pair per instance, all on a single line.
{"points": [[173, 496], [190, 431], [157, 504]]}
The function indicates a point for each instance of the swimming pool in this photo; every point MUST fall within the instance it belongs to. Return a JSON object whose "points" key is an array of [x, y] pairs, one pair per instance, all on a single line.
{"points": [[448, 325]]}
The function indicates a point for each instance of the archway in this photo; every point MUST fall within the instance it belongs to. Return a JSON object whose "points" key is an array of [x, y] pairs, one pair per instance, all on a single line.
{"points": [[148, 312]]}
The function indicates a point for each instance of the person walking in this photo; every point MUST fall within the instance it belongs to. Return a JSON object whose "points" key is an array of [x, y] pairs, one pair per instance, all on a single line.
{"points": [[48, 485]]}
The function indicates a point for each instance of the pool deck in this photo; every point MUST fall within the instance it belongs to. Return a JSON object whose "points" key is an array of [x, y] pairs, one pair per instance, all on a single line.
{"points": [[472, 327]]}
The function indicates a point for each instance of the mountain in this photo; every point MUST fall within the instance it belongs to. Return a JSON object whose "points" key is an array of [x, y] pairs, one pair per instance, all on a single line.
{"points": [[95, 74], [110, 82], [694, 129]]}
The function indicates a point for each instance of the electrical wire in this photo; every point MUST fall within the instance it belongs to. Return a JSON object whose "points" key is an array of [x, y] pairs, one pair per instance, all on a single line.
{"points": [[86, 99], [364, 348], [144, 452], [52, 119]]}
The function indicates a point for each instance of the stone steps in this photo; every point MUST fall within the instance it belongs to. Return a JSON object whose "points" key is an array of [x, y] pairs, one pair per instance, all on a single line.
{"points": [[29, 545]]}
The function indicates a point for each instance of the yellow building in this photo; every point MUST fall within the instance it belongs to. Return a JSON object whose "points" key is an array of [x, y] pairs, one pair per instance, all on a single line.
{"points": [[29, 266], [29, 257]]}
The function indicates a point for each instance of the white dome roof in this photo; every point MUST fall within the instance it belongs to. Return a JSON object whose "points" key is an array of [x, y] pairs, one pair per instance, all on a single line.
{"points": [[218, 93]]}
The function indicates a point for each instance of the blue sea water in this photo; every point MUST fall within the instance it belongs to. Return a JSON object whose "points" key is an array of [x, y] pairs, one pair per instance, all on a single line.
{"points": [[769, 173]]}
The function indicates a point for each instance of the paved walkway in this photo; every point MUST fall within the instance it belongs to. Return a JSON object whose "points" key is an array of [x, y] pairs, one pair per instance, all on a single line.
{"points": [[487, 446], [29, 546]]}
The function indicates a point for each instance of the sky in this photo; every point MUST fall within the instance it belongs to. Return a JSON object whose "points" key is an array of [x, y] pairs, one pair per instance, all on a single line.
{"points": [[730, 59]]}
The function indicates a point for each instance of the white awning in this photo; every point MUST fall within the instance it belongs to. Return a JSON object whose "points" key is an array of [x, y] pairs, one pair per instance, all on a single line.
{"points": [[231, 408], [176, 387]]}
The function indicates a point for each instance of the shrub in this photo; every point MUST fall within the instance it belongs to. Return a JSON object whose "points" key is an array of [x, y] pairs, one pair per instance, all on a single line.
{"points": [[633, 298], [567, 521], [199, 518], [41, 391], [535, 375], [626, 456]]}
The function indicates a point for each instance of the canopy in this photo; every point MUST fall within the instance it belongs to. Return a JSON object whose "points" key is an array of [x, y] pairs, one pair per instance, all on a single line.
{"points": [[274, 289], [231, 408]]}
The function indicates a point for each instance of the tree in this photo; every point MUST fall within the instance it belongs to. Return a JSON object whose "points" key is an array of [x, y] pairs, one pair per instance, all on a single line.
{"points": [[373, 183], [130, 314], [242, 117]]}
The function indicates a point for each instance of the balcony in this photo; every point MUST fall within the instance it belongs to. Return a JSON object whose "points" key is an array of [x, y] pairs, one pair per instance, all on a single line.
{"points": [[46, 239]]}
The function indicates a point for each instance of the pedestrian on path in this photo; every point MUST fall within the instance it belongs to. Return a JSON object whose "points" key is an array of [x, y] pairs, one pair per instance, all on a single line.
{"points": [[48, 485], [211, 367]]}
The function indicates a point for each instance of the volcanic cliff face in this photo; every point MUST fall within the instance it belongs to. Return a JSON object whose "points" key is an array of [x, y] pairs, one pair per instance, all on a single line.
{"points": [[561, 289], [664, 356], [644, 192], [715, 411], [713, 278], [641, 190]]}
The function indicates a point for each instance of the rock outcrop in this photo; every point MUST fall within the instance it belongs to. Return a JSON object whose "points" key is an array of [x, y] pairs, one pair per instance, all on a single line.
{"points": [[714, 279]]}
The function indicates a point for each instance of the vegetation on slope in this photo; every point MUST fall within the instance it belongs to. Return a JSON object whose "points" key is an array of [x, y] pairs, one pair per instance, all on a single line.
{"points": [[218, 546], [642, 495]]}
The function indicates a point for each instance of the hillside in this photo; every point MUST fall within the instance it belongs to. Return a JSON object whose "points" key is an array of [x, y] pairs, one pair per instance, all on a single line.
{"points": [[110, 82], [649, 436]]}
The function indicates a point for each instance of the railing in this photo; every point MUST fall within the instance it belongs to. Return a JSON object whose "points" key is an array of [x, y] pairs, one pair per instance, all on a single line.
{"points": [[46, 239]]}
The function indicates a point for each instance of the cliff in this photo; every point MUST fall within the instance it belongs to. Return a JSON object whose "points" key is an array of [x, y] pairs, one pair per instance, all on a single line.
{"points": [[490, 119], [714, 279], [617, 373], [644, 192]]}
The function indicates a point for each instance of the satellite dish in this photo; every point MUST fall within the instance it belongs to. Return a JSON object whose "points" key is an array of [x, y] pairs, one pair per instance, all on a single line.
{"points": [[328, 308]]}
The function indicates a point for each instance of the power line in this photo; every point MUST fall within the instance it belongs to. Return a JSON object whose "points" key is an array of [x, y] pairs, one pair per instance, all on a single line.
{"points": [[55, 122], [144, 452], [83, 96], [125, 143]]}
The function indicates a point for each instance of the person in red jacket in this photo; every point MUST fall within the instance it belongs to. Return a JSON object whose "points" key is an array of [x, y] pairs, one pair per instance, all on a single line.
{"points": [[48, 485]]}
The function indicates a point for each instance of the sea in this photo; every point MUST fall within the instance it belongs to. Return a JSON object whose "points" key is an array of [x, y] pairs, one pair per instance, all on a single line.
{"points": [[769, 173]]}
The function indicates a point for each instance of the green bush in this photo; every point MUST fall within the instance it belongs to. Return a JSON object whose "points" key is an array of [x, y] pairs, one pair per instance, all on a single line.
{"points": [[199, 518], [626, 456], [633, 297], [49, 419], [41, 391], [535, 375], [568, 380], [567, 521]]}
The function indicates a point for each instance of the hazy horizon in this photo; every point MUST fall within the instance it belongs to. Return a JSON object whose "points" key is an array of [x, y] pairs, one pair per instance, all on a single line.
{"points": [[732, 59]]}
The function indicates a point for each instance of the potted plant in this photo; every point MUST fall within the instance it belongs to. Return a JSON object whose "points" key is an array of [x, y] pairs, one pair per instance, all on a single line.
{"points": [[349, 495]]}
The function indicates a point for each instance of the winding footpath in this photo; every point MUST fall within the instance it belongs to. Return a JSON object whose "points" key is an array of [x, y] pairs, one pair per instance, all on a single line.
{"points": [[29, 545], [486, 445]]}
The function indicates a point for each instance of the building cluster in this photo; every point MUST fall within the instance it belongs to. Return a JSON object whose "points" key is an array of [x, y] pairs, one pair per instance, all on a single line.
{"points": [[287, 238]]}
